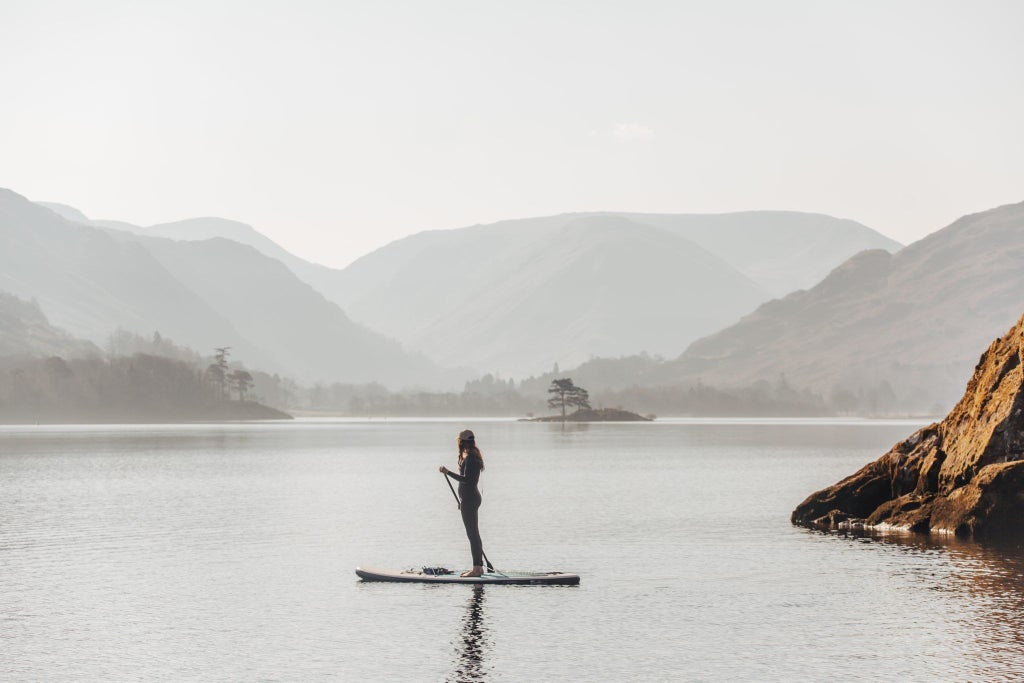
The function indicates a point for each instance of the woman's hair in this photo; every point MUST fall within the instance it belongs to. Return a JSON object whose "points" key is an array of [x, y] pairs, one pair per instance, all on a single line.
{"points": [[467, 445]]}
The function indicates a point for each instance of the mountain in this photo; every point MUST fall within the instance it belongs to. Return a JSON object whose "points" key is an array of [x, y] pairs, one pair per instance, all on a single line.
{"points": [[621, 292], [207, 228], [780, 250], [911, 322], [597, 286], [202, 294], [66, 212], [90, 283], [640, 282], [307, 334], [25, 331], [521, 300]]}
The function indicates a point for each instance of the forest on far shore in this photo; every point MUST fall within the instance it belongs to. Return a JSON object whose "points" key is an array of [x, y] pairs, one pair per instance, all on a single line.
{"points": [[152, 379], [137, 388]]}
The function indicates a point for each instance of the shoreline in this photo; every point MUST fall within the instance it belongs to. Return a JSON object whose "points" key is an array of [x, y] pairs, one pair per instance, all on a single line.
{"points": [[300, 418]]}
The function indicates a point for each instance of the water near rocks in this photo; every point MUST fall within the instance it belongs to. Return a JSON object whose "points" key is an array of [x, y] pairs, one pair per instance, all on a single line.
{"points": [[225, 552]]}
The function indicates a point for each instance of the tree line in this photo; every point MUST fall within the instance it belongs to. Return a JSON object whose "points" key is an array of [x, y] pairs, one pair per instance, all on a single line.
{"points": [[140, 386], [157, 376]]}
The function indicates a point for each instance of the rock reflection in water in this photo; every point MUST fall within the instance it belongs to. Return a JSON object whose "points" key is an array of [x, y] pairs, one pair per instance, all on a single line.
{"points": [[473, 643], [985, 581]]}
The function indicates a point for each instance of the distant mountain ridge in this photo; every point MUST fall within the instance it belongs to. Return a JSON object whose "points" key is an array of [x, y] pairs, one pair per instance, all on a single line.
{"points": [[414, 288], [517, 296], [782, 251], [595, 287], [913, 321], [92, 280], [89, 283]]}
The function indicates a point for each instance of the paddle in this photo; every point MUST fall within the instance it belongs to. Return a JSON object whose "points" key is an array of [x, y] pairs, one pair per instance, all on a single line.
{"points": [[490, 567]]}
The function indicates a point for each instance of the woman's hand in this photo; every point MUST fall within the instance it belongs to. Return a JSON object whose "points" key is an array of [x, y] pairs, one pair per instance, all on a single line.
{"points": [[442, 469]]}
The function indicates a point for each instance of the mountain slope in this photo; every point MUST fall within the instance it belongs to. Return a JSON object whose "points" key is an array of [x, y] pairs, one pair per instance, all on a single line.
{"points": [[66, 212], [781, 250], [25, 331], [914, 320], [305, 333], [412, 288], [200, 293], [90, 284], [597, 286], [319, 277]]}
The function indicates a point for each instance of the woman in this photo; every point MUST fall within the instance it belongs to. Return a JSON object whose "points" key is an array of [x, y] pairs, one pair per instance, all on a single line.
{"points": [[471, 463]]}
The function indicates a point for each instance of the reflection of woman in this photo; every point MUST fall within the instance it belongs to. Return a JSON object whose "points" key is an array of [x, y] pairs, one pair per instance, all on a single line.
{"points": [[471, 463], [470, 666]]}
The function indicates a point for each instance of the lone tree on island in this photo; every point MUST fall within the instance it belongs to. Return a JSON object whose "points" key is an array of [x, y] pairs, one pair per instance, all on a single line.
{"points": [[580, 399], [241, 381], [565, 393]]}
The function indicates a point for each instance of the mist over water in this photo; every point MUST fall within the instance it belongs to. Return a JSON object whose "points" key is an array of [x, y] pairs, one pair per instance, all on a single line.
{"points": [[225, 552]]}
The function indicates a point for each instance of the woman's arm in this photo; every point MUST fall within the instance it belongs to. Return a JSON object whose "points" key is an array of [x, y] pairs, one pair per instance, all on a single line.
{"points": [[447, 472], [454, 475]]}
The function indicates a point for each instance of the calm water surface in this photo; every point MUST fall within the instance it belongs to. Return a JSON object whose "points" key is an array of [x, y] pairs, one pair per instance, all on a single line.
{"points": [[225, 552]]}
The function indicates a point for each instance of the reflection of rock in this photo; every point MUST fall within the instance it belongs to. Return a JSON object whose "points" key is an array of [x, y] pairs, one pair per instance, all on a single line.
{"points": [[985, 582], [964, 474]]}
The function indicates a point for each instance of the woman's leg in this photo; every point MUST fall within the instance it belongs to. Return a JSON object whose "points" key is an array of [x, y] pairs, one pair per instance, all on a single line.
{"points": [[470, 518]]}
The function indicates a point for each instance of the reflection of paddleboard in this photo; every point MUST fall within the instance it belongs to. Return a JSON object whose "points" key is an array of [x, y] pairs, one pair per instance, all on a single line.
{"points": [[433, 575]]}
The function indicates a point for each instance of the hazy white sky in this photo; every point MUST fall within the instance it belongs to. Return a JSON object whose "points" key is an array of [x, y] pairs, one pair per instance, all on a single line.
{"points": [[337, 127]]}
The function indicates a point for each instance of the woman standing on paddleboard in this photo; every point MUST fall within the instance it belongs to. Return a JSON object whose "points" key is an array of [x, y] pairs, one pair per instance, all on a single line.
{"points": [[471, 463]]}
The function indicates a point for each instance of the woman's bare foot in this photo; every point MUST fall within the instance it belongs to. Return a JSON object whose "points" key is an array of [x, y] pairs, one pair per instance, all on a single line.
{"points": [[477, 570]]}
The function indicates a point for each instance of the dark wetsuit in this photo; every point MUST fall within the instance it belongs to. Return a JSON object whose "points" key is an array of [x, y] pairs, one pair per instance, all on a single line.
{"points": [[468, 476]]}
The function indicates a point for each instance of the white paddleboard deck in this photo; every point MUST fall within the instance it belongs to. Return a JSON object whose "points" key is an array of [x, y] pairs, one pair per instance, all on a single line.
{"points": [[512, 578]]}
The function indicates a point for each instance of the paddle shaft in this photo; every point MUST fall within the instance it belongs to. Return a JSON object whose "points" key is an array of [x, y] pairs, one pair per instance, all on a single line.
{"points": [[458, 501]]}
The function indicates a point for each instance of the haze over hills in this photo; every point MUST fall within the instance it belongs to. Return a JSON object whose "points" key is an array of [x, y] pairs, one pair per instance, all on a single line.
{"points": [[594, 287], [881, 332], [202, 293], [782, 251], [319, 277], [307, 335], [914, 321], [89, 284], [314, 274], [652, 284], [25, 331], [518, 314]]}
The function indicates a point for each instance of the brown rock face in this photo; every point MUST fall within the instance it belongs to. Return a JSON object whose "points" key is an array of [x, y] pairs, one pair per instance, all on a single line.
{"points": [[963, 475]]}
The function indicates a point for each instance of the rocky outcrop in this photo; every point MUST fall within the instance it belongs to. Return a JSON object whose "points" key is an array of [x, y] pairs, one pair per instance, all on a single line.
{"points": [[963, 475]]}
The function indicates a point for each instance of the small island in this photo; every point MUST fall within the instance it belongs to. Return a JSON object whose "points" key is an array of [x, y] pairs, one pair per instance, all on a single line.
{"points": [[565, 394], [598, 415]]}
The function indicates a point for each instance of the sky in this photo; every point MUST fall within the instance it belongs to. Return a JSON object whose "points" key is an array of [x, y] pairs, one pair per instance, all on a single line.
{"points": [[337, 127]]}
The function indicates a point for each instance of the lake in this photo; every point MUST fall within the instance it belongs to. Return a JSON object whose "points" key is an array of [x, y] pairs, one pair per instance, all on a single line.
{"points": [[226, 552]]}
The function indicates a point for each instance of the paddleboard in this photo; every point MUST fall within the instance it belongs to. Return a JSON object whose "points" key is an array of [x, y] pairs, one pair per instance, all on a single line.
{"points": [[512, 578]]}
